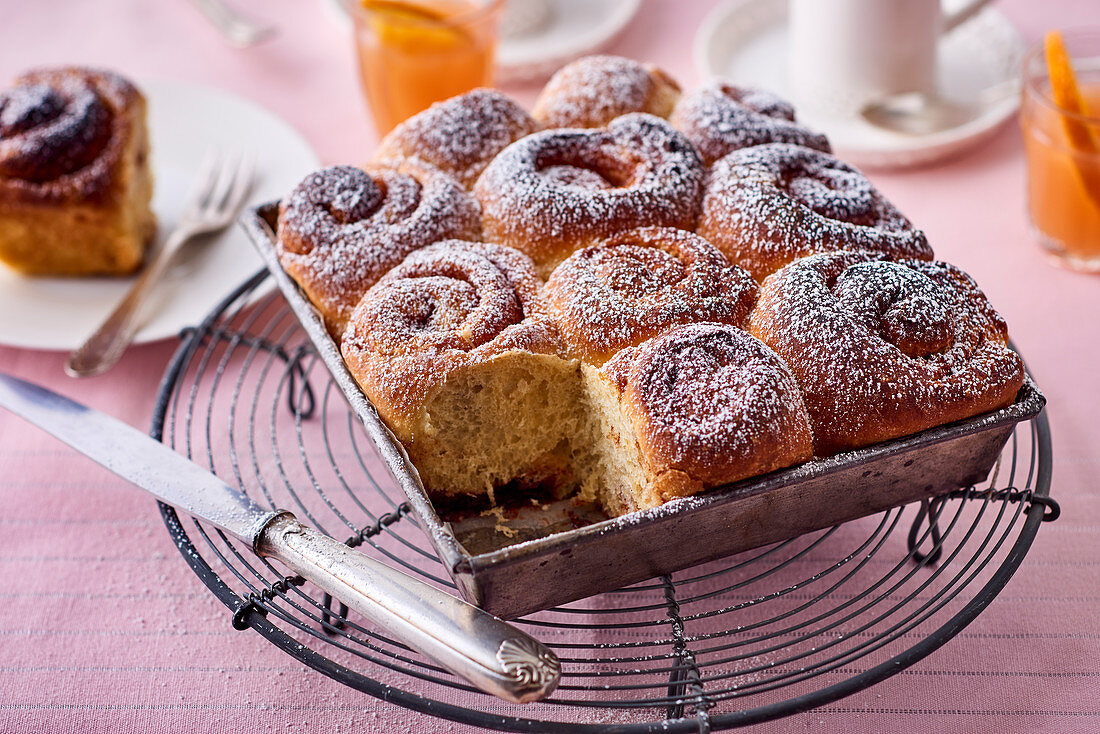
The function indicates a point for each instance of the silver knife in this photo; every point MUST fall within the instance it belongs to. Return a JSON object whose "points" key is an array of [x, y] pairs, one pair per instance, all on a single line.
{"points": [[471, 643]]}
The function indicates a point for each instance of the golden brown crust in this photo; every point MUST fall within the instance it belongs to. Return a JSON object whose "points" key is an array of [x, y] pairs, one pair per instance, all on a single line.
{"points": [[640, 283], [447, 306], [594, 90], [75, 182], [885, 349], [719, 118], [770, 204], [556, 191], [460, 135], [710, 404], [342, 228]]}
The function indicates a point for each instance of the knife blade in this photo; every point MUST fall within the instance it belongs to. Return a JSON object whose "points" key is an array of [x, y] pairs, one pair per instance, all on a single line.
{"points": [[488, 652]]}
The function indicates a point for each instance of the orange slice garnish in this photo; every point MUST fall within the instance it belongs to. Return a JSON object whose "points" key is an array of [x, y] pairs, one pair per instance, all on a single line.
{"points": [[1067, 95]]}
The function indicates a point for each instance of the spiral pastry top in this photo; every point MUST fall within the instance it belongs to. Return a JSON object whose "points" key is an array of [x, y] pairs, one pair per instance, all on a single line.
{"points": [[720, 118], [63, 132], [883, 349], [768, 205], [342, 228], [594, 90], [640, 283], [446, 306], [710, 404], [559, 190], [460, 135]]}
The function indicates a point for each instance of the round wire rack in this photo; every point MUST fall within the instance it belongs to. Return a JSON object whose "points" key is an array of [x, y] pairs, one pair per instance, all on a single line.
{"points": [[757, 636]]}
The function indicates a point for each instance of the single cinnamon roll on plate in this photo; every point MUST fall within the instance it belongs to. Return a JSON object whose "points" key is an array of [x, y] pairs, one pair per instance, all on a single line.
{"points": [[701, 406], [884, 349], [75, 181], [719, 118], [770, 204], [454, 350], [557, 191], [640, 283], [594, 90], [342, 228]]}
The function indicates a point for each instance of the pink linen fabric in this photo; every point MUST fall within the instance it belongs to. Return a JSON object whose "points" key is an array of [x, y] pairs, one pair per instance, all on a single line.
{"points": [[104, 628]]}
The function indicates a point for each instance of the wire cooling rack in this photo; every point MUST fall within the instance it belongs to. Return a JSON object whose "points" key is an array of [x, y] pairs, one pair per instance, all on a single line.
{"points": [[757, 636]]}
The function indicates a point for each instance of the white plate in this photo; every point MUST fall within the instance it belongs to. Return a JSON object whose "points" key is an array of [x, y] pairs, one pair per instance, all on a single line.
{"points": [[568, 29], [184, 120], [746, 41]]}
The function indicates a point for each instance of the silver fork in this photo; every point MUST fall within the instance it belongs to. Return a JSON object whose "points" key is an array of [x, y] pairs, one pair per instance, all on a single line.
{"points": [[216, 197], [238, 29]]}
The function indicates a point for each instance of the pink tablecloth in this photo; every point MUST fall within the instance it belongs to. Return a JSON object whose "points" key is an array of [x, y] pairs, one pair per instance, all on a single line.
{"points": [[105, 629]]}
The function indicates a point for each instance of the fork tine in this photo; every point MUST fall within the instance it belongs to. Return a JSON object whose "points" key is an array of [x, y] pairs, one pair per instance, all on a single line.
{"points": [[242, 184], [204, 180], [214, 202]]}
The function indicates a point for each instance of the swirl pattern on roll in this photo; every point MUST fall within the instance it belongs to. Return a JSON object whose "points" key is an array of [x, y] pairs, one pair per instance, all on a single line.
{"points": [[594, 90], [719, 118], [884, 349], [556, 191], [710, 404], [770, 204], [62, 131], [460, 135], [640, 283], [447, 305], [342, 228]]}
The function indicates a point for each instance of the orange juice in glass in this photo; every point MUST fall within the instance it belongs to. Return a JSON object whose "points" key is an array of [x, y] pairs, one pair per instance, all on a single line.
{"points": [[1063, 156], [416, 52]]}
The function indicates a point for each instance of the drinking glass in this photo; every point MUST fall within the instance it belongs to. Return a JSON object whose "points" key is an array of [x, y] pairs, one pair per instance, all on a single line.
{"points": [[1063, 156], [416, 52]]}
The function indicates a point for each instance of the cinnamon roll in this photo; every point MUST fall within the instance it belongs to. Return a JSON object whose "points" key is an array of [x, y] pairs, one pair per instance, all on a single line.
{"points": [[640, 283], [460, 135], [770, 204], [556, 191], [719, 118], [75, 181], [453, 349], [701, 406], [883, 349], [342, 228], [594, 90]]}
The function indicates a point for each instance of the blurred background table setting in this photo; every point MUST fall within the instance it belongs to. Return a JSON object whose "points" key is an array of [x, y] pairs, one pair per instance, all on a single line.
{"points": [[985, 132]]}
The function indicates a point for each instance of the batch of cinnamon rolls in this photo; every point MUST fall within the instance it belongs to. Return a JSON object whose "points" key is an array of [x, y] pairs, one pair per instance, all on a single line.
{"points": [[632, 293]]}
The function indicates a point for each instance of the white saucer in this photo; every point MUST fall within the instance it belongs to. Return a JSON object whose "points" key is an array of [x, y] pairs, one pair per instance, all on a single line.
{"points": [[746, 41], [572, 28], [184, 120], [568, 29]]}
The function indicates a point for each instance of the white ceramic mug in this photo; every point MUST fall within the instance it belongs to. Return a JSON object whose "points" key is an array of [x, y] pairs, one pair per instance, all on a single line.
{"points": [[843, 53]]}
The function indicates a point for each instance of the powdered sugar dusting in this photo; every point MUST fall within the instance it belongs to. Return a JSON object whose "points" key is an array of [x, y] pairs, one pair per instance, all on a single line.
{"points": [[461, 135], [443, 307], [638, 171], [640, 283], [594, 90], [342, 228], [719, 118], [767, 205], [713, 401], [883, 349]]}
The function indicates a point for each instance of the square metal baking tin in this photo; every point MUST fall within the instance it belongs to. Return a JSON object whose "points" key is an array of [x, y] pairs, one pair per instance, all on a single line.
{"points": [[560, 562]]}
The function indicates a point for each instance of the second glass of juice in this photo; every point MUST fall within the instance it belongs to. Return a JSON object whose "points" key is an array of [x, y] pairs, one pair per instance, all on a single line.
{"points": [[1063, 157], [416, 52]]}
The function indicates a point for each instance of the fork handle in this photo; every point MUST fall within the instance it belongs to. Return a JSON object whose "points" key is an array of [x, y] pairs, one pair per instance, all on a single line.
{"points": [[105, 346]]}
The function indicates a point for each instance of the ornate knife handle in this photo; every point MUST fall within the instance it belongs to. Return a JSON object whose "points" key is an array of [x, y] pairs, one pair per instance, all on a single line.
{"points": [[485, 650]]}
